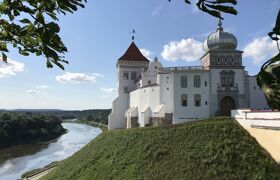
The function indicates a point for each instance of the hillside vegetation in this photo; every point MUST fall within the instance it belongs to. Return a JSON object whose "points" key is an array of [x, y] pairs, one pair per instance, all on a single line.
{"points": [[208, 149], [19, 128]]}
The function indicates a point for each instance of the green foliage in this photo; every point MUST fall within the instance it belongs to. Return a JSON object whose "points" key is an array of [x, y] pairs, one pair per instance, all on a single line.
{"points": [[95, 115], [208, 149], [31, 27], [269, 76], [18, 128]]}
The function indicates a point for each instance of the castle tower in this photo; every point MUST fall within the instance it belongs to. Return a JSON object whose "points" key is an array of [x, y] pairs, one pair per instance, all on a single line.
{"points": [[129, 68], [227, 74]]}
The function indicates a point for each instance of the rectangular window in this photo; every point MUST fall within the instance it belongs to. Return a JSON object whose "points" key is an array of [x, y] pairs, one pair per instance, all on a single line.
{"points": [[184, 100], [196, 81], [125, 75], [184, 81], [133, 75], [205, 83], [197, 100], [149, 82]]}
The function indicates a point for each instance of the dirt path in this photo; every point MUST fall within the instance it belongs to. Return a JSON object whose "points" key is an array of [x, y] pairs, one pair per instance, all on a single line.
{"points": [[39, 175]]}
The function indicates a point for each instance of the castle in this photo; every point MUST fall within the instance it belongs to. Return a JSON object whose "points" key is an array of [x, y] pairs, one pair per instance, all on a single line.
{"points": [[149, 94]]}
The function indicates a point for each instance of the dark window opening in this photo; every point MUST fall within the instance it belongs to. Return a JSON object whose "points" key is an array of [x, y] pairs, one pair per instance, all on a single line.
{"points": [[184, 100], [125, 75]]}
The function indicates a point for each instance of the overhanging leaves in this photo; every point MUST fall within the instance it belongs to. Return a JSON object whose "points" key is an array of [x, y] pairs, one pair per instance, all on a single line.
{"points": [[216, 7], [31, 27], [269, 76]]}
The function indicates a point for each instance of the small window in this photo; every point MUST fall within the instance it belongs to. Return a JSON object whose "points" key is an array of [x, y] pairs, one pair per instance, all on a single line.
{"points": [[184, 81], [184, 100], [125, 75], [254, 87], [155, 67], [196, 81], [149, 82], [133, 75], [167, 89], [205, 83], [206, 103], [197, 100], [167, 77], [125, 89]]}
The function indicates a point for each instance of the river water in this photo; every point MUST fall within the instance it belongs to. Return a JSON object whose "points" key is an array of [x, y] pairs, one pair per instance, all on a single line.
{"points": [[16, 160]]}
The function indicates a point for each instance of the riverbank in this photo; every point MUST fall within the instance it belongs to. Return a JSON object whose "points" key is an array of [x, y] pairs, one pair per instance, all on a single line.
{"points": [[37, 172], [28, 128], [103, 127], [16, 160], [47, 168]]}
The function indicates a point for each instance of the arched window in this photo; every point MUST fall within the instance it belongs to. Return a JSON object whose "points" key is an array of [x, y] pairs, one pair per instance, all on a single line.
{"points": [[227, 78], [184, 100], [197, 100], [184, 81], [196, 81]]}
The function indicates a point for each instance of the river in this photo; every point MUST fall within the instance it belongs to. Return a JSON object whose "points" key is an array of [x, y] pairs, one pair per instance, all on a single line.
{"points": [[16, 160]]}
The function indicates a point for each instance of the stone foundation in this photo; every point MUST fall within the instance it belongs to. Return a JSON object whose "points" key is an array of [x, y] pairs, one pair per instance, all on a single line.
{"points": [[134, 122], [158, 121]]}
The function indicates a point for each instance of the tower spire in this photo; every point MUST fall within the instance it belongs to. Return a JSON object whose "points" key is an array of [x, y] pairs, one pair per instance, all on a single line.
{"points": [[133, 35], [220, 27]]}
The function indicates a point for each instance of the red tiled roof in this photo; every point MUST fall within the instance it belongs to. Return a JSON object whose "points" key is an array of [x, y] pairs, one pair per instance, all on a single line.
{"points": [[133, 54]]}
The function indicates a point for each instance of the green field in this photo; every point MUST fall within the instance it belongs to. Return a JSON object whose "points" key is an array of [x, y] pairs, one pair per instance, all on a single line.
{"points": [[208, 149]]}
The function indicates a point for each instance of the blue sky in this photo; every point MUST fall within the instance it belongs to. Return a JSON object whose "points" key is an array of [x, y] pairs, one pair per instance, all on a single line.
{"points": [[99, 34]]}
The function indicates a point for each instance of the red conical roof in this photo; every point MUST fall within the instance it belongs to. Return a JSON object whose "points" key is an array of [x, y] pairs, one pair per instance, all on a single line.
{"points": [[133, 54]]}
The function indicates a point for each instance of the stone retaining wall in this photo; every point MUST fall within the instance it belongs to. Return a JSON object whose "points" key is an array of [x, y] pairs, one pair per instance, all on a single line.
{"points": [[157, 121]]}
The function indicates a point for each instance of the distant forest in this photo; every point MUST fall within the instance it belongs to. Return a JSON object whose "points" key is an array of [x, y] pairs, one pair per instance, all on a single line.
{"points": [[96, 115], [26, 127]]}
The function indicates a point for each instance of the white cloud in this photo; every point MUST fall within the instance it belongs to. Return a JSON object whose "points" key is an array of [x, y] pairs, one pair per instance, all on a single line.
{"points": [[187, 49], [43, 87], [98, 75], [108, 90], [148, 54], [32, 91], [10, 68], [260, 50], [69, 77]]}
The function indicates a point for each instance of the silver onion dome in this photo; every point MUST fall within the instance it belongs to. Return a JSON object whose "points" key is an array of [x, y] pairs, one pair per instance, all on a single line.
{"points": [[220, 40]]}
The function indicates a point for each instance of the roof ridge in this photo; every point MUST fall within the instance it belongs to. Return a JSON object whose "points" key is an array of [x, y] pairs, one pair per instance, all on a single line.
{"points": [[133, 54]]}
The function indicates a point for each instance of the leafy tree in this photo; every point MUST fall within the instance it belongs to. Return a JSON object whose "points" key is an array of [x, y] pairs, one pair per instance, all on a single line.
{"points": [[31, 27], [269, 76]]}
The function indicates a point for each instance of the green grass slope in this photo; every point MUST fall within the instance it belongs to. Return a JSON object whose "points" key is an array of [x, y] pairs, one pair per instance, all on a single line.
{"points": [[208, 149]]}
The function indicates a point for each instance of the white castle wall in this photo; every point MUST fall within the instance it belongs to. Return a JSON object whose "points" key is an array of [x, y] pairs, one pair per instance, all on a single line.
{"points": [[257, 98], [119, 106], [150, 75], [165, 80], [190, 112], [146, 99]]}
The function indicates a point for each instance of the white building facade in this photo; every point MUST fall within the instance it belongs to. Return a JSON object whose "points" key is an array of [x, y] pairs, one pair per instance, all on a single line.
{"points": [[149, 94]]}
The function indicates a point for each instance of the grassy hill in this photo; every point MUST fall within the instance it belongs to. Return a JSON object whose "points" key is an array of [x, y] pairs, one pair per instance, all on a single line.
{"points": [[208, 149]]}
